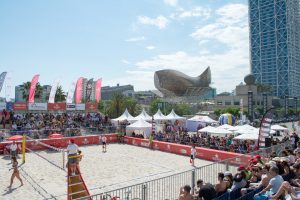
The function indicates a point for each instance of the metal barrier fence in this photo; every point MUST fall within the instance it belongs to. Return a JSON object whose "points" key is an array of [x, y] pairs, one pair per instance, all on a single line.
{"points": [[167, 188]]}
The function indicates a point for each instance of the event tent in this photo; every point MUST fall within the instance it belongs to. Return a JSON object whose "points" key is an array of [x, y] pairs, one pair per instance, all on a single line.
{"points": [[125, 116], [246, 137], [140, 127], [226, 126], [207, 129], [220, 132], [174, 116], [143, 115], [278, 128], [193, 123], [159, 116]]}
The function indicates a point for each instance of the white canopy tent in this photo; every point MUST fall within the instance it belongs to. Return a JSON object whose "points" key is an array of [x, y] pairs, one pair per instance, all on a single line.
{"points": [[246, 137], [125, 116], [140, 127], [278, 128], [207, 129], [226, 126], [193, 123], [143, 115], [158, 116], [174, 116], [220, 132]]}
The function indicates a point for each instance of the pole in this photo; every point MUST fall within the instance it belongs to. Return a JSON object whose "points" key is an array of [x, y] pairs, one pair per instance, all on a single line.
{"points": [[23, 148]]}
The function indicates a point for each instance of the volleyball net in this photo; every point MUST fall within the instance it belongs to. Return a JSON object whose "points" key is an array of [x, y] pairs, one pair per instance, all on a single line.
{"points": [[53, 155]]}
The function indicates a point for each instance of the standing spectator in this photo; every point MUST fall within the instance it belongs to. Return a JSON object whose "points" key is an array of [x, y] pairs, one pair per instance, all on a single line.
{"points": [[72, 150], [207, 191], [103, 139], [185, 193], [13, 150]]}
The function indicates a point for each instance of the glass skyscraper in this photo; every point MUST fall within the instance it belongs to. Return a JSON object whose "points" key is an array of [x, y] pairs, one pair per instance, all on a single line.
{"points": [[274, 44]]}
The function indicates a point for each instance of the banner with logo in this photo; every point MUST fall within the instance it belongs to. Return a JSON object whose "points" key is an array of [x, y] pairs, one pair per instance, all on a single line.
{"points": [[80, 106], [20, 106], [265, 128], [71, 106], [9, 106], [89, 89], [98, 90], [8, 88], [37, 106], [71, 92], [53, 91], [33, 84], [91, 107], [79, 90], [2, 106], [56, 106], [2, 78]]}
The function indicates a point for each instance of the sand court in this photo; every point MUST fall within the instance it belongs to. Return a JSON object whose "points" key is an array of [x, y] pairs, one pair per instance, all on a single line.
{"points": [[122, 165]]}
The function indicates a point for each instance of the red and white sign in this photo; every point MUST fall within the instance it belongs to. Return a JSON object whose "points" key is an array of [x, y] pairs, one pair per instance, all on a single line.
{"points": [[98, 90], [20, 106], [79, 90], [56, 106], [33, 84], [91, 107]]}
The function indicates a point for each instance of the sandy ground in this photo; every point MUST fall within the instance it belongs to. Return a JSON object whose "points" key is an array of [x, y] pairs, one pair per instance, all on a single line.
{"points": [[120, 166]]}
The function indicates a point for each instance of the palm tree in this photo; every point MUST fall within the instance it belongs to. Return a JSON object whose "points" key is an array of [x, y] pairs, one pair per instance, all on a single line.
{"points": [[132, 106], [116, 105], [60, 95], [26, 88]]}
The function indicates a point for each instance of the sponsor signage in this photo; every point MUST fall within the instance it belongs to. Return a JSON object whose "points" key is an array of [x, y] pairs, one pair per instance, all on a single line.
{"points": [[91, 106], [10, 106], [37, 106], [80, 106], [56, 106], [71, 106], [20, 106], [2, 106]]}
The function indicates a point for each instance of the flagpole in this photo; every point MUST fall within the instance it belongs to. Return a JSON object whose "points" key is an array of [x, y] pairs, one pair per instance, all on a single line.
{"points": [[262, 123]]}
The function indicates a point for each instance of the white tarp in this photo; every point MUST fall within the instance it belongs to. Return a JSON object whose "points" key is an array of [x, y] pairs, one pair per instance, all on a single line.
{"points": [[37, 106], [174, 116], [246, 137], [159, 116], [220, 132], [207, 129], [144, 116], [125, 116], [140, 127], [226, 126]]}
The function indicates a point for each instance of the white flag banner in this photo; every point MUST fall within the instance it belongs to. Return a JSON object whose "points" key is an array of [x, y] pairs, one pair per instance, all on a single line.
{"points": [[8, 88], [71, 92], [53, 91]]}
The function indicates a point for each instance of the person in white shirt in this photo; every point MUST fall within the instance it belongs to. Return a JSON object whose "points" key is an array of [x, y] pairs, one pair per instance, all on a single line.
{"points": [[103, 139], [72, 150], [13, 150], [193, 155]]}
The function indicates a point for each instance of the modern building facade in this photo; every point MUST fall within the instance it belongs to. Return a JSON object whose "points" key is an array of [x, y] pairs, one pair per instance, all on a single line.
{"points": [[107, 92], [274, 44]]}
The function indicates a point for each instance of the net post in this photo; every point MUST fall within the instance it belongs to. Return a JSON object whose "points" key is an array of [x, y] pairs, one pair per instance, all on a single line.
{"points": [[63, 154], [23, 148]]}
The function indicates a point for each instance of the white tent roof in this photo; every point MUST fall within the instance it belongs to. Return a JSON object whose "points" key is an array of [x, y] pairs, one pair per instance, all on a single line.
{"points": [[207, 129], [278, 128], [140, 124], [254, 131], [125, 116], [226, 126], [201, 118], [173, 116], [159, 116], [221, 131], [144, 115], [247, 137]]}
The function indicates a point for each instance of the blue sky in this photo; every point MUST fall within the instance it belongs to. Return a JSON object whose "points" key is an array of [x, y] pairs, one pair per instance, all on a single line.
{"points": [[124, 41]]}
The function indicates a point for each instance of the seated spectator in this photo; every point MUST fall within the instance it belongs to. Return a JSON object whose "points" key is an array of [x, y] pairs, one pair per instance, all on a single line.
{"points": [[273, 186], [185, 194]]}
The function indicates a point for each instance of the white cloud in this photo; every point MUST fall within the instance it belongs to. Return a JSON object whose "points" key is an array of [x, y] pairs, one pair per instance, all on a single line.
{"points": [[233, 13], [125, 61], [171, 2], [195, 12], [150, 47], [135, 39], [161, 22]]}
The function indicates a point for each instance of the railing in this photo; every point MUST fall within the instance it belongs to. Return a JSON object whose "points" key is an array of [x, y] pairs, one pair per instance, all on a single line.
{"points": [[168, 187]]}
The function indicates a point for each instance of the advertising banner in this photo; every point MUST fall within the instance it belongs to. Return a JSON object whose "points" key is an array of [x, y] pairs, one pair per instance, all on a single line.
{"points": [[53, 91], [80, 106], [91, 107], [89, 89], [71, 106], [37, 106], [21, 106], [79, 90], [98, 90], [9, 106], [71, 91], [265, 128], [8, 88], [2, 78], [2, 106], [33, 84], [56, 106]]}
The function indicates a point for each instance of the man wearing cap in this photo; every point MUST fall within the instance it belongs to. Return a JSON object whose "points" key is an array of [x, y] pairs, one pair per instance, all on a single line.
{"points": [[72, 150]]}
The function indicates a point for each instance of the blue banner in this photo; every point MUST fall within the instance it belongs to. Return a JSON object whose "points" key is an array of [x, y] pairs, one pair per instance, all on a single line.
{"points": [[2, 78], [9, 106]]}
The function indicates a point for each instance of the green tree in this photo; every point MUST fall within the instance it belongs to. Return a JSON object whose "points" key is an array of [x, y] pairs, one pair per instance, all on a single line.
{"points": [[26, 88], [116, 106], [133, 107], [154, 105], [182, 109], [263, 87], [60, 95]]}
